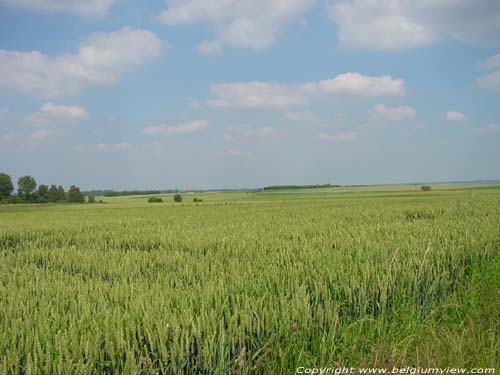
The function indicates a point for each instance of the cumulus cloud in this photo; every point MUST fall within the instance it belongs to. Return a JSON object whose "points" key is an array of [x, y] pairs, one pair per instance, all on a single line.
{"points": [[188, 127], [381, 112], [454, 116], [490, 82], [280, 96], [237, 152], [358, 85], [339, 136], [398, 24], [101, 60], [491, 63], [254, 24], [247, 133], [50, 113], [256, 95], [30, 140], [86, 7], [122, 146], [489, 129]]}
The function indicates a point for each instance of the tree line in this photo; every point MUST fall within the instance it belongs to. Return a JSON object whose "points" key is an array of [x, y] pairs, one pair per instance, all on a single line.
{"points": [[113, 193], [29, 192]]}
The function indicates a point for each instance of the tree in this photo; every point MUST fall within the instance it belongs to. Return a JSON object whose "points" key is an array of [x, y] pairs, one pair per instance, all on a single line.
{"points": [[426, 188], [61, 195], [90, 199], [177, 198], [6, 186], [25, 187], [42, 194], [52, 193], [75, 195]]}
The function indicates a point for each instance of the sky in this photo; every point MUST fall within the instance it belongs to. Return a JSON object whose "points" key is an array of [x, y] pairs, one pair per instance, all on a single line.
{"points": [[206, 94]]}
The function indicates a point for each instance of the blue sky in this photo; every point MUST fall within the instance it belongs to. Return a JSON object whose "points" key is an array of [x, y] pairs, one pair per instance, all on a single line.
{"points": [[127, 94]]}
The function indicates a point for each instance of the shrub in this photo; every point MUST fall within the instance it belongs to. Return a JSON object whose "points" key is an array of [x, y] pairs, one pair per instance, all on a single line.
{"points": [[197, 200], [90, 199], [426, 188], [155, 200], [177, 198]]}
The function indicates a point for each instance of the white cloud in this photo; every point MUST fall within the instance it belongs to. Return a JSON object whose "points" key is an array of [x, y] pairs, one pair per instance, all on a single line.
{"points": [[489, 129], [491, 63], [100, 61], [357, 85], [122, 146], [454, 116], [338, 137], [81, 7], [399, 24], [256, 95], [237, 152], [281, 96], [381, 112], [238, 133], [210, 47], [188, 127], [253, 24], [195, 104], [302, 116], [13, 141], [51, 113], [490, 82], [70, 112]]}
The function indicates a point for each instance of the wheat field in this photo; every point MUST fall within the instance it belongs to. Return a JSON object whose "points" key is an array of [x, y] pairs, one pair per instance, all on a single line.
{"points": [[247, 284]]}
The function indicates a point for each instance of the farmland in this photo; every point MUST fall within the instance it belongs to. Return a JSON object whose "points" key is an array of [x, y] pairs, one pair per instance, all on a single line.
{"points": [[251, 283]]}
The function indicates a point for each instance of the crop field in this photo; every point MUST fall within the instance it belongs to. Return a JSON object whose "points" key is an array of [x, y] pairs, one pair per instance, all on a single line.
{"points": [[252, 283]]}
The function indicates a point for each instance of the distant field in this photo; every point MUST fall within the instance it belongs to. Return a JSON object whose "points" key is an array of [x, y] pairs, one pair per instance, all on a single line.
{"points": [[382, 191], [253, 283]]}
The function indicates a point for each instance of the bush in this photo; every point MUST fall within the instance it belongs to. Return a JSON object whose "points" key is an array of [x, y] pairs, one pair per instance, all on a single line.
{"points": [[90, 199], [197, 200], [155, 200], [426, 188], [177, 198]]}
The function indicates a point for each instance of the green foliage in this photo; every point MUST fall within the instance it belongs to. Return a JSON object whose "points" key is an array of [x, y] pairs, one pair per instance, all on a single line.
{"points": [[53, 194], [197, 200], [75, 195], [90, 199], [26, 186], [61, 195], [177, 198], [42, 194], [426, 188], [248, 287], [155, 200], [6, 186]]}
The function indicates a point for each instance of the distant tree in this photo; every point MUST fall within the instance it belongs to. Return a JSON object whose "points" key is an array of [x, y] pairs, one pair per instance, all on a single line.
{"points": [[25, 187], [197, 200], [90, 199], [61, 195], [42, 194], [177, 198], [75, 195], [426, 188], [52, 193], [6, 186]]}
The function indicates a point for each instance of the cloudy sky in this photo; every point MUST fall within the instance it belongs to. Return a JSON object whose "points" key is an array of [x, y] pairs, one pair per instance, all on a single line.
{"points": [[130, 94]]}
